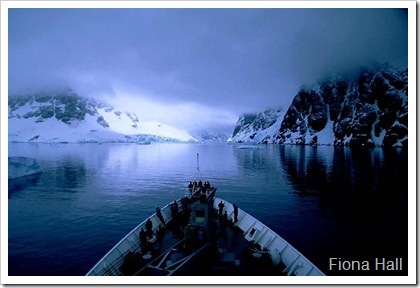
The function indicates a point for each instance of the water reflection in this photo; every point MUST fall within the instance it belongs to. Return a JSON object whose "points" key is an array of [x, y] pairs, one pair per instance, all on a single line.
{"points": [[70, 176], [260, 172], [325, 201], [359, 195], [23, 183], [362, 178], [307, 168], [344, 171]]}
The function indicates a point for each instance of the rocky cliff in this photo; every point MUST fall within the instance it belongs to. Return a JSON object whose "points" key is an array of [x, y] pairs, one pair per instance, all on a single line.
{"points": [[258, 128], [369, 111]]}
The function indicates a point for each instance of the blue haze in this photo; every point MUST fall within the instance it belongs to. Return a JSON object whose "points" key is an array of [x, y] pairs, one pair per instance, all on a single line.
{"points": [[238, 60]]}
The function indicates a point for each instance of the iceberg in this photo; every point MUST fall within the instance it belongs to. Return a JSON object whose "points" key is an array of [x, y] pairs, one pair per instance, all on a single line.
{"points": [[23, 166], [247, 147]]}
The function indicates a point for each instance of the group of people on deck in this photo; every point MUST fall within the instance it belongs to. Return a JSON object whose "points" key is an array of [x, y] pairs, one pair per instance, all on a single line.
{"points": [[201, 189], [148, 236], [199, 184], [224, 216]]}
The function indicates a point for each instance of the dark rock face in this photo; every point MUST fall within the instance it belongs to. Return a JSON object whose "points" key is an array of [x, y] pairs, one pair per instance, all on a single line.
{"points": [[243, 122], [371, 111], [65, 106], [101, 121], [306, 114]]}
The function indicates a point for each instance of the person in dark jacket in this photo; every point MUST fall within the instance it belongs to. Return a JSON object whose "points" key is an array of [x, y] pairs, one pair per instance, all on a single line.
{"points": [[235, 213], [143, 237], [159, 215], [149, 228], [221, 206], [174, 210]]}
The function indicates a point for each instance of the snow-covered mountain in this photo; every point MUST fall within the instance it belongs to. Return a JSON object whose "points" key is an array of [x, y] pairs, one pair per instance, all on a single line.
{"points": [[69, 117], [258, 128], [372, 111]]}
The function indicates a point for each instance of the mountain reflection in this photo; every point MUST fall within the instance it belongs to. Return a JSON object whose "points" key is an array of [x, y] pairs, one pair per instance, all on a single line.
{"points": [[70, 176], [346, 172], [307, 168], [357, 198]]}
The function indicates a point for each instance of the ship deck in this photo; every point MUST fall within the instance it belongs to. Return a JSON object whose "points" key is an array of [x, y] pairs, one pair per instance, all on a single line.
{"points": [[227, 253]]}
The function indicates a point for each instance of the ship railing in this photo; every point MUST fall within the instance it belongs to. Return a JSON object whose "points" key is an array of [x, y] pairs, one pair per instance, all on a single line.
{"points": [[130, 243], [114, 268], [258, 233], [112, 261]]}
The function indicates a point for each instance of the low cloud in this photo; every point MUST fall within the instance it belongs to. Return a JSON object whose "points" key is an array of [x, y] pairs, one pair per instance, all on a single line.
{"points": [[215, 63]]}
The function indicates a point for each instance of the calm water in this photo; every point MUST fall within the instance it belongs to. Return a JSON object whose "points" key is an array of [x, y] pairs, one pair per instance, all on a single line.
{"points": [[325, 201]]}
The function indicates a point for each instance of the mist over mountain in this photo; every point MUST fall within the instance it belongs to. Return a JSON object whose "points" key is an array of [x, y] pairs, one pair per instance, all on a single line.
{"points": [[210, 136], [370, 110]]}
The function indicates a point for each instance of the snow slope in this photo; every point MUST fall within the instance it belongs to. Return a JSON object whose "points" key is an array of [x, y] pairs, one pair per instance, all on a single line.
{"points": [[68, 117], [258, 128]]}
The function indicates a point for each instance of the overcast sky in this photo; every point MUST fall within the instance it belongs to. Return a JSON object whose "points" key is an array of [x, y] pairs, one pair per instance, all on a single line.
{"points": [[197, 68]]}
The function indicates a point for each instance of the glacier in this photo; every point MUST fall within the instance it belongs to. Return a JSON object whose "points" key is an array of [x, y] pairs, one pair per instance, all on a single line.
{"points": [[66, 117]]}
